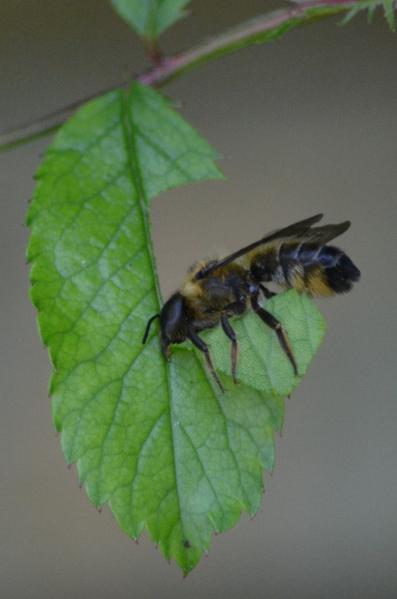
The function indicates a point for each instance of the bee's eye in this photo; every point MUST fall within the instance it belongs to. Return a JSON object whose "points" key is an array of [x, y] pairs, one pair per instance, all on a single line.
{"points": [[173, 319]]}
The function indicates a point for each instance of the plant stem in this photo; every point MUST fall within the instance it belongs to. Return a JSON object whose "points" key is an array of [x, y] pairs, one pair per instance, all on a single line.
{"points": [[261, 29], [249, 33]]}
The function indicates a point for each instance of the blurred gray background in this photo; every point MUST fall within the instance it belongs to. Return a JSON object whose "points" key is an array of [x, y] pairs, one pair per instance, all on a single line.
{"points": [[306, 124]]}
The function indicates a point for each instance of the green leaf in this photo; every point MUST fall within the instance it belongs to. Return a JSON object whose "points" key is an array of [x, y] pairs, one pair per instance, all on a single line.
{"points": [[156, 441], [389, 6], [262, 362], [371, 13], [353, 12], [149, 18]]}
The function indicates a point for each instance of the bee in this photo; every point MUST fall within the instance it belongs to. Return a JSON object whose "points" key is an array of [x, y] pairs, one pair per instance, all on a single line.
{"points": [[295, 257]]}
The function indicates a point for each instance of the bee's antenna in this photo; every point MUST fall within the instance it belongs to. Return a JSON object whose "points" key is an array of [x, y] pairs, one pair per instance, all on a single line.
{"points": [[149, 324]]}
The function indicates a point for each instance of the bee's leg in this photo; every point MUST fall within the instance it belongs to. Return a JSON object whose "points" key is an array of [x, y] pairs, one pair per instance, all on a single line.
{"points": [[274, 324], [228, 330], [266, 292], [202, 346]]}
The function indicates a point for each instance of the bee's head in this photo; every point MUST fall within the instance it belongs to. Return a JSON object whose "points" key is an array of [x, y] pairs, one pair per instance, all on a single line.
{"points": [[173, 323]]}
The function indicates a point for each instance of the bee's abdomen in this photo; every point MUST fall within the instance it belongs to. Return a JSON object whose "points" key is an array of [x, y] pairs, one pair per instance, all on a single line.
{"points": [[318, 270]]}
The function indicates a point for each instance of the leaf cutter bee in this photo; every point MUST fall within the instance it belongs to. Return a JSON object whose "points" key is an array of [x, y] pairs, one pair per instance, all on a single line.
{"points": [[214, 291]]}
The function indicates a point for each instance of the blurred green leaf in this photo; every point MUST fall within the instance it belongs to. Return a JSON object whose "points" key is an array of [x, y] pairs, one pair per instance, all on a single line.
{"points": [[149, 18], [389, 7]]}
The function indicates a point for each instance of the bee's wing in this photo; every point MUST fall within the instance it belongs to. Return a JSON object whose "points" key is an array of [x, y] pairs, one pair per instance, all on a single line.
{"points": [[295, 230], [322, 235], [301, 230]]}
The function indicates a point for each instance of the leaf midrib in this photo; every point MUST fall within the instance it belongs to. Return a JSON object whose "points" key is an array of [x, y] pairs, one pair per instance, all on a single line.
{"points": [[137, 181]]}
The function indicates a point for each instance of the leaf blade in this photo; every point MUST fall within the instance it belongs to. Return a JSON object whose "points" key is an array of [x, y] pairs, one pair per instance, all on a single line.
{"points": [[263, 364], [150, 18], [156, 442], [388, 6]]}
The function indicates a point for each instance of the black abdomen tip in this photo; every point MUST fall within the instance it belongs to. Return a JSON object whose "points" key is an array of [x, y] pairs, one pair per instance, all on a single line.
{"points": [[342, 274]]}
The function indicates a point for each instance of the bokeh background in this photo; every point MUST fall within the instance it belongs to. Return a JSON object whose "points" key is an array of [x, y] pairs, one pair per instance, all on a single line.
{"points": [[306, 124]]}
